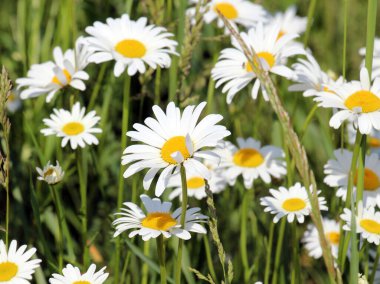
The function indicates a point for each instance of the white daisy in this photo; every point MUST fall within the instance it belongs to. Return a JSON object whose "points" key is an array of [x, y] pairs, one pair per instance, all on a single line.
{"points": [[240, 12], [311, 238], [358, 101], [337, 175], [172, 139], [158, 220], [15, 264], [251, 161], [72, 275], [234, 70], [73, 126], [14, 102], [367, 223], [310, 78], [375, 60], [289, 22], [131, 44], [51, 174], [49, 77], [373, 138], [292, 202], [196, 184]]}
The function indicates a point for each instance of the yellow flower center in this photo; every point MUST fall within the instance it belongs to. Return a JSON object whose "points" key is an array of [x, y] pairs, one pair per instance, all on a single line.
{"points": [[11, 97], [267, 56], [249, 158], [294, 204], [174, 144], [281, 34], [131, 48], [82, 282], [73, 128], [370, 226], [374, 142], [58, 82], [333, 237], [195, 182], [8, 270], [365, 100], [227, 10], [159, 221], [371, 180]]}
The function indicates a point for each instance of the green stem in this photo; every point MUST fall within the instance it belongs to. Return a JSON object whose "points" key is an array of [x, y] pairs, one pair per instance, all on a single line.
{"points": [[243, 235], [82, 171], [177, 275], [58, 206], [310, 14], [161, 257], [279, 250], [98, 84], [209, 258], [374, 267], [145, 268], [344, 52], [371, 30], [295, 269], [157, 83], [361, 167], [269, 254], [8, 204], [126, 100]]}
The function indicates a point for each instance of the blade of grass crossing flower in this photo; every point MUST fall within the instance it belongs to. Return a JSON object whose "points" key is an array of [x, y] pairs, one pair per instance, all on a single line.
{"points": [[177, 275], [125, 119]]}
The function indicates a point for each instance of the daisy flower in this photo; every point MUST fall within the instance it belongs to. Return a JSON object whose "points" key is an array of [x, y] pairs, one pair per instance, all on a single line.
{"points": [[75, 127], [367, 223], [337, 175], [49, 77], [357, 101], [289, 22], [13, 102], [311, 238], [131, 44], [310, 79], [51, 174], [173, 139], [235, 72], [251, 161], [376, 58], [15, 264], [373, 138], [72, 275], [240, 12], [158, 220], [196, 186], [292, 202]]}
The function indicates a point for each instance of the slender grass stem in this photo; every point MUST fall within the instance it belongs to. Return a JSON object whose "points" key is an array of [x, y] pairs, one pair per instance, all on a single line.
{"points": [[279, 250], [310, 15], [269, 254], [177, 275], [58, 206], [361, 167], [126, 100], [145, 268], [209, 258], [157, 91], [243, 234], [7, 212], [296, 264], [81, 156], [374, 267], [161, 257], [371, 30], [345, 28]]}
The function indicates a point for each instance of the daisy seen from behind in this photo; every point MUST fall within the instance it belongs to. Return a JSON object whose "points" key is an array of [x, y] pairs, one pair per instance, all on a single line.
{"points": [[196, 186], [74, 127], [375, 60], [357, 101], [251, 160], [367, 222], [49, 77], [16, 265], [132, 44], [289, 22], [241, 12], [311, 238], [158, 220], [72, 275], [172, 139], [235, 72], [292, 203], [338, 170]]}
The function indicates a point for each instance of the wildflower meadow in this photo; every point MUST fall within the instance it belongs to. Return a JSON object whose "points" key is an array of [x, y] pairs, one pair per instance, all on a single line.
{"points": [[189, 141]]}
